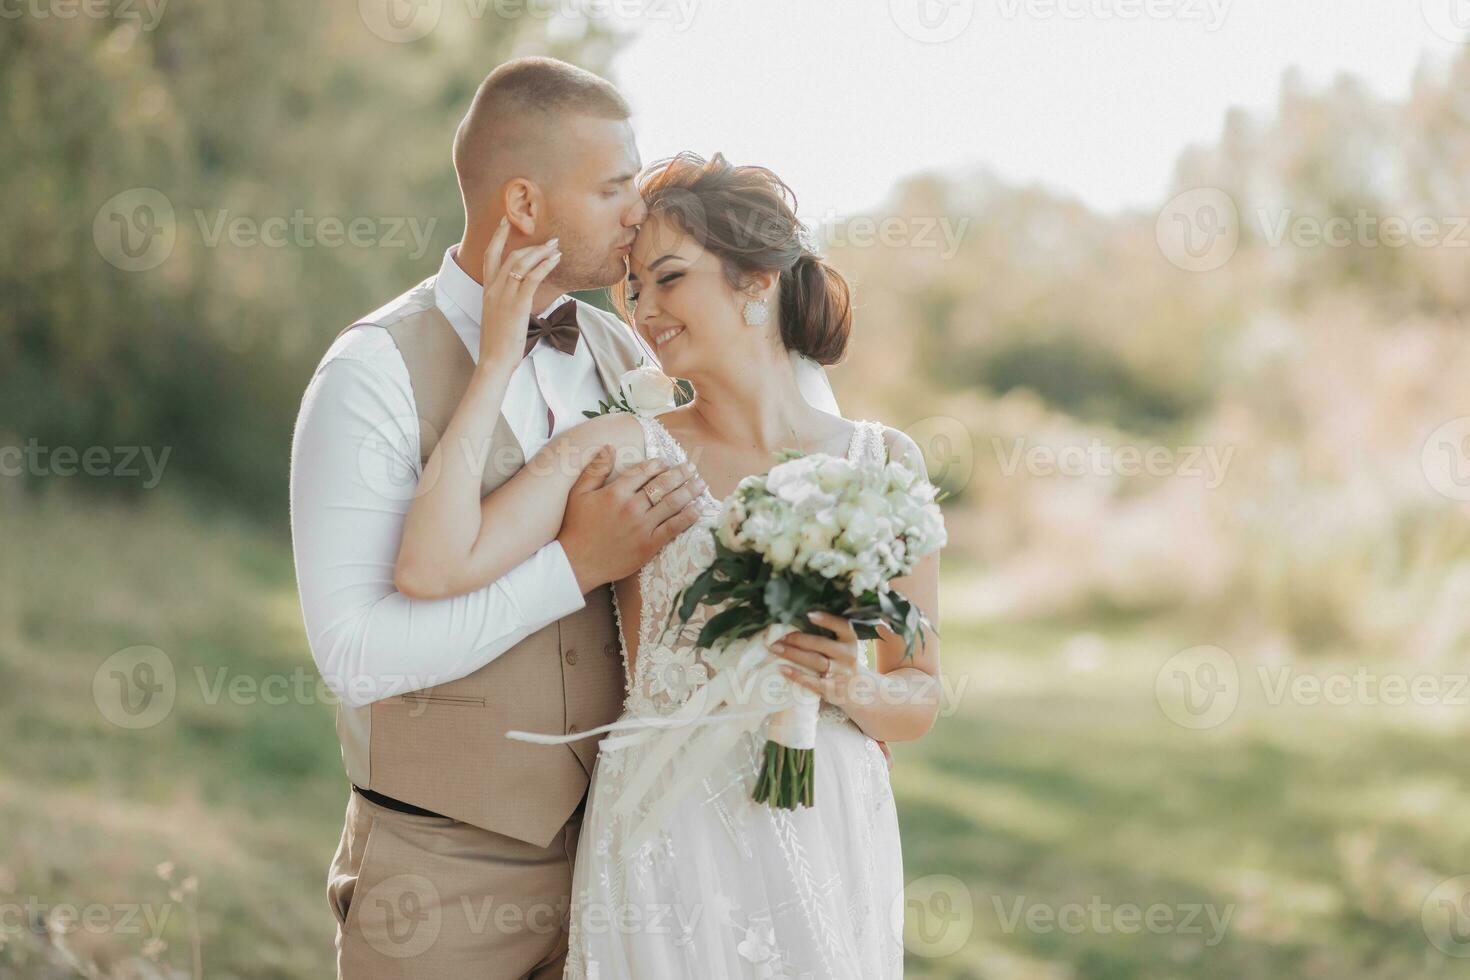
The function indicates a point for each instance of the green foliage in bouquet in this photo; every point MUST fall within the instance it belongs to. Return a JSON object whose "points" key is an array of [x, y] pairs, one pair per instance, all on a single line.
{"points": [[754, 595]]}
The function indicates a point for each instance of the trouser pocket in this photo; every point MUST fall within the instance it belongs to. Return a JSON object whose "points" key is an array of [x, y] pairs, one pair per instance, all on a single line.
{"points": [[348, 862]]}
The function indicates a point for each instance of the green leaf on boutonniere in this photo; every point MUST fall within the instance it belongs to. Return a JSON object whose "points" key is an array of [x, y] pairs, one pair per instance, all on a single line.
{"points": [[618, 404]]}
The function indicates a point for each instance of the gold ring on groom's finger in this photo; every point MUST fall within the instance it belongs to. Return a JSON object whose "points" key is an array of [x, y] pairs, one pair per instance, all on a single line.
{"points": [[516, 276], [827, 670]]}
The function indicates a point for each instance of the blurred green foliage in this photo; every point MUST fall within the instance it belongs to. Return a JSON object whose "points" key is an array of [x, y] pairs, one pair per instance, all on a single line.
{"points": [[286, 111]]}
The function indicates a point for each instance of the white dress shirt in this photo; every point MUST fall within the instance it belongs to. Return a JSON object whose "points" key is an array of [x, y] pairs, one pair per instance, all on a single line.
{"points": [[354, 465]]}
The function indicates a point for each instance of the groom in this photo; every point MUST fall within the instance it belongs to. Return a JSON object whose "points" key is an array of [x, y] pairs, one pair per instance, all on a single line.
{"points": [[456, 857]]}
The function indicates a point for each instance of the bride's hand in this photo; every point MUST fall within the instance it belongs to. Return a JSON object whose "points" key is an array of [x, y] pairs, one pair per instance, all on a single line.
{"points": [[510, 281], [831, 664]]}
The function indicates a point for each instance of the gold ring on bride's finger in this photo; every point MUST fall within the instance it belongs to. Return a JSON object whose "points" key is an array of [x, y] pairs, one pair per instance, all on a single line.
{"points": [[652, 500], [827, 670], [516, 276]]}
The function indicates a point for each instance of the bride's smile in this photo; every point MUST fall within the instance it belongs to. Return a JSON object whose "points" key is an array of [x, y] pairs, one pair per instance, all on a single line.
{"points": [[664, 336]]}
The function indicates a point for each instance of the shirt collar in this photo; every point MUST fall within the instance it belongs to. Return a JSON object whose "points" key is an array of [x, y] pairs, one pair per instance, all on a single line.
{"points": [[454, 287]]}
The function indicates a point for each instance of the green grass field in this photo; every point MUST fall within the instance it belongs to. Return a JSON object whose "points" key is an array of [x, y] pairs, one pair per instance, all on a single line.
{"points": [[1056, 823]]}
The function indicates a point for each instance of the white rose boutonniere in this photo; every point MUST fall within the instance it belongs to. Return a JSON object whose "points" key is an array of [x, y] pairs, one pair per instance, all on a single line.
{"points": [[647, 390], [644, 391]]}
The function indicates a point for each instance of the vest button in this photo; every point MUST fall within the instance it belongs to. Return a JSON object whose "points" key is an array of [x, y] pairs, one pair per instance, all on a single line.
{"points": [[610, 650], [572, 657]]}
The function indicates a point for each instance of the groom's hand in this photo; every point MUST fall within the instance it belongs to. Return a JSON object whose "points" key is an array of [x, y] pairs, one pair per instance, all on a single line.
{"points": [[610, 531]]}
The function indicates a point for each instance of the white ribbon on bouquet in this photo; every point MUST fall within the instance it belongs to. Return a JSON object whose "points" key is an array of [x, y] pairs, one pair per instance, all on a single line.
{"points": [[746, 689]]}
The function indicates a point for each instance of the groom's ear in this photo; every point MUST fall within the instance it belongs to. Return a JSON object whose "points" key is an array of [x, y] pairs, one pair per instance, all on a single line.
{"points": [[525, 205]]}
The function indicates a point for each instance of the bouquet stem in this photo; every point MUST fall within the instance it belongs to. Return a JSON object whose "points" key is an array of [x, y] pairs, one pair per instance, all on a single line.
{"points": [[788, 773], [787, 777]]}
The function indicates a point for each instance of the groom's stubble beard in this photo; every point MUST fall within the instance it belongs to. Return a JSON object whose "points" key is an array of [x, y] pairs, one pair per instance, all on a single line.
{"points": [[595, 272], [585, 266]]}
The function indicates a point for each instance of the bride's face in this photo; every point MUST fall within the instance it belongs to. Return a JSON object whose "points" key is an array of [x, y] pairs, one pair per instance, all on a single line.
{"points": [[685, 307]]}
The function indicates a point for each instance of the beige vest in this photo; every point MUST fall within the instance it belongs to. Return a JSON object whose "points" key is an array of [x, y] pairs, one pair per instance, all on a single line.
{"points": [[444, 748]]}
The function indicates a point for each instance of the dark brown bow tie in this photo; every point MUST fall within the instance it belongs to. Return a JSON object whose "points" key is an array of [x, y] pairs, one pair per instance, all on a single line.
{"points": [[560, 329]]}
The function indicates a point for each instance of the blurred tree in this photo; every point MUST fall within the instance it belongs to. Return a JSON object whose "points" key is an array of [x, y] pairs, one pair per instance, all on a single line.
{"points": [[157, 319]]}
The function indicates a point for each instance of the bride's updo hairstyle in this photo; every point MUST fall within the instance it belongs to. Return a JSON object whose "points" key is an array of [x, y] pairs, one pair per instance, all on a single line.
{"points": [[747, 217]]}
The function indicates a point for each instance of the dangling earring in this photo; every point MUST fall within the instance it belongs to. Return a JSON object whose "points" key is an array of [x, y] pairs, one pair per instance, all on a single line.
{"points": [[757, 312]]}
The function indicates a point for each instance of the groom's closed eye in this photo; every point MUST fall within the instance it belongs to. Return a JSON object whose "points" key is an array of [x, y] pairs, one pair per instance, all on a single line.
{"points": [[617, 185]]}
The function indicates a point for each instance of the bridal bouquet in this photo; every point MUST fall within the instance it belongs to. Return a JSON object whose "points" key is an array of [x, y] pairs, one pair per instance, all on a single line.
{"points": [[816, 533]]}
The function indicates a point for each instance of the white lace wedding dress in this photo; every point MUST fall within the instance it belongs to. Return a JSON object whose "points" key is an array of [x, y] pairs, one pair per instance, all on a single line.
{"points": [[728, 888]]}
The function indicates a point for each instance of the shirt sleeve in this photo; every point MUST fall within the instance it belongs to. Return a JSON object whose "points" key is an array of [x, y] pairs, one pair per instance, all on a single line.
{"points": [[354, 469]]}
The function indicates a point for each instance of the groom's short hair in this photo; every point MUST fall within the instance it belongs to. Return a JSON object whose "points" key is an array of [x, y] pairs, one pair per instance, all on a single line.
{"points": [[512, 123]]}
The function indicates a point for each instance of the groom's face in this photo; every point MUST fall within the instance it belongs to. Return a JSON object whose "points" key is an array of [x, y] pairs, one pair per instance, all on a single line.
{"points": [[592, 201]]}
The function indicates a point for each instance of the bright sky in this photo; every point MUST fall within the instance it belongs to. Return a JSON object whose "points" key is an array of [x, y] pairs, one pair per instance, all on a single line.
{"points": [[1091, 97]]}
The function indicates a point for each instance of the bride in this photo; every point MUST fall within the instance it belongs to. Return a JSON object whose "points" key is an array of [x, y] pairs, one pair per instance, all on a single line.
{"points": [[722, 286]]}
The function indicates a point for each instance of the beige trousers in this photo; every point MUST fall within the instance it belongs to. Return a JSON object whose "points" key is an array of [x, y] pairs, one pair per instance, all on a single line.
{"points": [[429, 897]]}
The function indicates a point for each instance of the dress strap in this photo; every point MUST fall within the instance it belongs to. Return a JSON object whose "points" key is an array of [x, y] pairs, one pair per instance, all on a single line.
{"points": [[658, 443]]}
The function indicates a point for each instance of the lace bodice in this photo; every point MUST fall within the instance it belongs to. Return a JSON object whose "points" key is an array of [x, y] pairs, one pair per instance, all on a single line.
{"points": [[668, 667]]}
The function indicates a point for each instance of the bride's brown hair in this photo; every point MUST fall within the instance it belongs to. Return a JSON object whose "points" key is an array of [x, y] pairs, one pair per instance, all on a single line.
{"points": [[747, 216]]}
